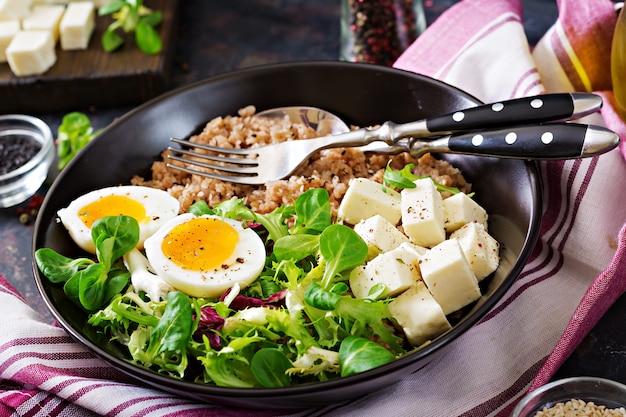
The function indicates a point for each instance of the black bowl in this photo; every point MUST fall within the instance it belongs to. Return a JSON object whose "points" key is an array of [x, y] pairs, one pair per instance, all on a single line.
{"points": [[361, 94]]}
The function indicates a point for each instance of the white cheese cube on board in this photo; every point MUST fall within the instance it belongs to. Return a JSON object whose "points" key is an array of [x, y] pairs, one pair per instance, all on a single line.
{"points": [[97, 3], [31, 52], [14, 9], [422, 213], [449, 277], [460, 209], [419, 315], [379, 235], [366, 198], [480, 248], [77, 25], [8, 29], [397, 269], [45, 17]]}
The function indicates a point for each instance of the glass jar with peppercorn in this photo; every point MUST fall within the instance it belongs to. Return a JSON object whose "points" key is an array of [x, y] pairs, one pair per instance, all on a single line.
{"points": [[378, 31], [26, 153]]}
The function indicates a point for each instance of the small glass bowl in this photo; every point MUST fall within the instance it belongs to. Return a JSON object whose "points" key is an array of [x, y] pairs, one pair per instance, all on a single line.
{"points": [[600, 391], [22, 183]]}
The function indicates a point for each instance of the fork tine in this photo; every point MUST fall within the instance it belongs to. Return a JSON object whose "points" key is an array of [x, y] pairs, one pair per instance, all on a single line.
{"points": [[246, 169], [215, 158], [216, 149], [225, 168], [246, 180]]}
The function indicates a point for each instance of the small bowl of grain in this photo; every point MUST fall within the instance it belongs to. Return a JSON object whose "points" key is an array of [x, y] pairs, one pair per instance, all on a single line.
{"points": [[577, 396], [26, 152]]}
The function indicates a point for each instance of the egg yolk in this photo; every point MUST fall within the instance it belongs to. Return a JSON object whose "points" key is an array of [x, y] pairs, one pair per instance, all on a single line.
{"points": [[112, 205], [200, 244]]}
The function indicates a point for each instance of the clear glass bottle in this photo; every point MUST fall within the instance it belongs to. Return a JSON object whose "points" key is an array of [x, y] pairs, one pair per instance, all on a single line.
{"points": [[378, 31], [618, 63]]}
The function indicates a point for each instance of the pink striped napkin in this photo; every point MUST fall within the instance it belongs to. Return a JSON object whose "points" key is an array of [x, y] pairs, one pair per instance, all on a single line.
{"points": [[576, 272]]}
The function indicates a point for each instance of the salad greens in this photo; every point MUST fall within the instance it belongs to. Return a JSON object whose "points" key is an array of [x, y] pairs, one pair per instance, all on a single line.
{"points": [[404, 178], [298, 322], [74, 133], [270, 366], [342, 248], [88, 283], [132, 17], [358, 354], [167, 341]]}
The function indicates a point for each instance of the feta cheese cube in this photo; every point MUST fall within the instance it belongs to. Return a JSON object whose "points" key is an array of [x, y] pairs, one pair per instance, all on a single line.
{"points": [[480, 248], [449, 277], [8, 29], [45, 17], [31, 53], [415, 249], [14, 9], [97, 3], [379, 234], [422, 213], [366, 198], [77, 25], [397, 269], [460, 209], [419, 315]]}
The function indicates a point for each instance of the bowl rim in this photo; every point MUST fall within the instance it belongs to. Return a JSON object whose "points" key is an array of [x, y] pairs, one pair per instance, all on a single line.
{"points": [[259, 393], [532, 395], [46, 147]]}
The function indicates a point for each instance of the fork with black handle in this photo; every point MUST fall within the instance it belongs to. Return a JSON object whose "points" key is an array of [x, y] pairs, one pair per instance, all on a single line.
{"points": [[272, 162]]}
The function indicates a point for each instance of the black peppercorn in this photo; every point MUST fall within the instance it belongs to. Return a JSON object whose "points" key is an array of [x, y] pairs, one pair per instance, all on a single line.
{"points": [[16, 151]]}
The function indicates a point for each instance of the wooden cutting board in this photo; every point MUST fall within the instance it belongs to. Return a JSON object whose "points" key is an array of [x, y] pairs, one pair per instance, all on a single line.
{"points": [[92, 78]]}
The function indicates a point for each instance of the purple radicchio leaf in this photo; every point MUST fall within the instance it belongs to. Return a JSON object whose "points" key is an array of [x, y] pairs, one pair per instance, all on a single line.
{"points": [[209, 321], [241, 302]]}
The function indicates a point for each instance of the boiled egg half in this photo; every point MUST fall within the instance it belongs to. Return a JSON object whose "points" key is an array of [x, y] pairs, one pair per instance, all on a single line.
{"points": [[203, 256], [151, 207]]}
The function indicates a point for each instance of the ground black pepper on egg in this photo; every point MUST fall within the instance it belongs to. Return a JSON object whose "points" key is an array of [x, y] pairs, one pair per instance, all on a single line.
{"points": [[16, 151]]}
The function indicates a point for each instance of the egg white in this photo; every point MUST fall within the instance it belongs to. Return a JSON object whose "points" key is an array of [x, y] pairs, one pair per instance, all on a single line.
{"points": [[159, 207], [241, 267]]}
